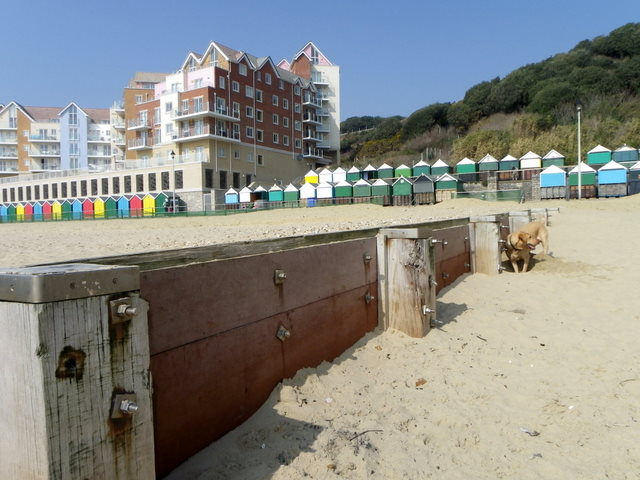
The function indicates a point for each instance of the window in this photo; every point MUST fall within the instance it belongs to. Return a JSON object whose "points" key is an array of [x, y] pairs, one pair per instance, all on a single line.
{"points": [[248, 91], [74, 189], [250, 157], [28, 195], [298, 144], [221, 152], [242, 68], [274, 100], [285, 140], [236, 110], [127, 184], [235, 86], [276, 119], [208, 178], [197, 83], [140, 183], [36, 192], [169, 129], [275, 138], [296, 90], [73, 133], [13, 194], [175, 87], [298, 125], [138, 99], [54, 191], [45, 192], [168, 107], [20, 194], [247, 179], [156, 116], [164, 178], [260, 160], [179, 179], [249, 132], [281, 84], [94, 187], [222, 82], [249, 111], [105, 186], [83, 188], [267, 78], [258, 95], [73, 115], [236, 179], [236, 154], [296, 107], [185, 106], [285, 122], [223, 179], [151, 180], [259, 115], [259, 135], [285, 104]]}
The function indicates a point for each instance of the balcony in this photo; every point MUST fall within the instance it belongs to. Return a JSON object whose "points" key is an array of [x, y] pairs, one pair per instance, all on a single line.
{"points": [[43, 166], [203, 110], [98, 139], [322, 129], [310, 136], [140, 143], [120, 141], [319, 79], [8, 140], [118, 105], [204, 132], [311, 100], [12, 124], [8, 154], [118, 125], [34, 152], [322, 112], [139, 124], [314, 153], [97, 154], [313, 119], [43, 138]]}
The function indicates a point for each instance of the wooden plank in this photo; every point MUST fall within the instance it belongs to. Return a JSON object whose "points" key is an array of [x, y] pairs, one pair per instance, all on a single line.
{"points": [[486, 250], [457, 242], [518, 219]]}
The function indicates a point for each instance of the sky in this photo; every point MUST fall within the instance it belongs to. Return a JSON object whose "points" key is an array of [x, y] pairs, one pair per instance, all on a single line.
{"points": [[394, 56]]}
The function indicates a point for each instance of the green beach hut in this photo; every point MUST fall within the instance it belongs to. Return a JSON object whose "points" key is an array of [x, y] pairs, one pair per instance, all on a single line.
{"points": [[625, 154], [381, 192], [275, 194], [598, 155], [440, 168], [369, 172], [587, 180], [353, 174], [421, 168], [553, 158], [362, 188], [402, 191], [385, 171], [467, 170], [402, 171], [291, 193], [343, 191], [488, 163]]}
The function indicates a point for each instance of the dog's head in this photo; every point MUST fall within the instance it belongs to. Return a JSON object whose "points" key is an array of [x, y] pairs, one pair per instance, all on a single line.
{"points": [[523, 241]]}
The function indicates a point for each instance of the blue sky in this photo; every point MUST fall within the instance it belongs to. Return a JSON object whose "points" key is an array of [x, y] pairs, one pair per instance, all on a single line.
{"points": [[395, 56]]}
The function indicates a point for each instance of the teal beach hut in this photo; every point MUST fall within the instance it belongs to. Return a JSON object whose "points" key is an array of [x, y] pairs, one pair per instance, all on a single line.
{"points": [[553, 157], [598, 155], [440, 168]]}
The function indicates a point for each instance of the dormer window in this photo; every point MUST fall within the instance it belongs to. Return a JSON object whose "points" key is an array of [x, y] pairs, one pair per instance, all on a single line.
{"points": [[242, 68], [267, 78], [314, 55]]}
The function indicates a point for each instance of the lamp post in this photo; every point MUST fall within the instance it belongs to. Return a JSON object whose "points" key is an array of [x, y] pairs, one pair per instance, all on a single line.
{"points": [[173, 174], [579, 109]]}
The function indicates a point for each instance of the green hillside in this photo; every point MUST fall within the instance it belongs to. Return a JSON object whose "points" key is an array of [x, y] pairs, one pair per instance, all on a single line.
{"points": [[532, 108]]}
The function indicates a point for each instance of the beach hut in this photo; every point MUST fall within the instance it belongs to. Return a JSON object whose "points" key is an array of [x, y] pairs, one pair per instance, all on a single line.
{"points": [[160, 200], [148, 205], [275, 194], [369, 172], [381, 192], [324, 193], [402, 191], [343, 192], [339, 175], [245, 195], [308, 191], [488, 163], [424, 190], [587, 180], [122, 205], [10, 212], [553, 182], [3, 213], [20, 212], [291, 194], [56, 210], [440, 168], [598, 155], [231, 198], [385, 171], [353, 174], [46, 210], [421, 168], [361, 191], [260, 193], [110, 207], [402, 171], [135, 206], [76, 209], [634, 179], [625, 154], [98, 208], [530, 164], [66, 209], [311, 177], [446, 185], [37, 211], [28, 211], [508, 167], [553, 157], [87, 208], [466, 170], [612, 180], [325, 176]]}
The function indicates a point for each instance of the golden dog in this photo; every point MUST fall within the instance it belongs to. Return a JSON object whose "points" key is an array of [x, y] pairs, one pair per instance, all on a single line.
{"points": [[520, 244]]}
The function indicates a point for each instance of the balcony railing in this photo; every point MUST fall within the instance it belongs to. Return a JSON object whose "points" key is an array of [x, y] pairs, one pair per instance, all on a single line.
{"points": [[118, 125], [203, 131], [43, 138], [312, 153], [140, 143], [8, 139], [40, 167], [98, 138], [9, 154], [205, 109], [311, 100], [139, 123], [308, 118], [35, 152], [310, 136]]}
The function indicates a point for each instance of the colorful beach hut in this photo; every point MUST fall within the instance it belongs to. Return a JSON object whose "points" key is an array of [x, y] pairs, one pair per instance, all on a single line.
{"points": [[402, 171], [275, 194], [553, 182], [488, 163], [123, 207], [440, 168], [11, 212], [28, 211], [311, 177], [260, 193], [361, 191], [587, 179], [324, 193], [467, 170], [353, 174], [231, 197], [56, 210], [135, 206], [339, 175], [598, 155], [291, 193], [98, 208], [161, 200], [343, 192], [402, 191], [553, 157], [612, 180], [369, 172], [446, 185], [421, 168], [110, 207], [76, 209], [424, 190], [625, 154], [148, 205], [245, 195], [634, 179], [37, 211], [46, 210], [87, 208], [508, 167], [20, 212], [3, 213], [385, 171], [381, 192], [325, 176], [530, 164]]}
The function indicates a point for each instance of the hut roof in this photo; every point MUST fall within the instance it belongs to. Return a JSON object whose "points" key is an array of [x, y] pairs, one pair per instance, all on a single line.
{"points": [[380, 182], [508, 158], [369, 168], [625, 148], [291, 188], [246, 190], [402, 166], [552, 169], [402, 179], [421, 163], [354, 169], [307, 186], [339, 170], [530, 156], [585, 168], [466, 161], [553, 154], [423, 178], [361, 182], [260, 188], [635, 166], [342, 183], [488, 158], [599, 149], [439, 163], [384, 166], [311, 173], [612, 165], [275, 188], [231, 190], [445, 177]]}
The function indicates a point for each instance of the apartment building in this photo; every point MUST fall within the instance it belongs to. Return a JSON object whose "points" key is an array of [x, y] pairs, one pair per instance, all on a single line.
{"points": [[37, 139], [310, 63], [249, 119]]}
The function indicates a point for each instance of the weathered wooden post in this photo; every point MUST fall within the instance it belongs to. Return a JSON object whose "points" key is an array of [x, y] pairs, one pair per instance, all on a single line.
{"points": [[518, 219], [75, 386], [406, 283], [487, 235]]}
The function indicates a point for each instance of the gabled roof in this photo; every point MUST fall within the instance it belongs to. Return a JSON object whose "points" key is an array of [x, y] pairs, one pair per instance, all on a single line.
{"points": [[439, 163], [553, 154], [635, 166], [231, 190], [625, 148], [402, 167], [488, 158], [246, 190], [599, 149], [552, 169], [275, 188], [307, 186], [339, 170], [445, 177], [260, 188], [354, 169], [362, 182], [18, 106], [369, 168], [612, 165], [384, 166], [423, 178], [584, 169], [530, 156], [302, 52], [421, 163], [291, 188], [311, 173], [466, 161], [43, 114], [402, 179], [380, 182], [508, 158], [343, 183]]}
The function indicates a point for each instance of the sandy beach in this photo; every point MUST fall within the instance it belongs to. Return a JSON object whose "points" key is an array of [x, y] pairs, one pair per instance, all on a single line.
{"points": [[528, 376]]}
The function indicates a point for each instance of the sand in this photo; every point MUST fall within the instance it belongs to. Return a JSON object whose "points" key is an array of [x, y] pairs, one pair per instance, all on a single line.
{"points": [[529, 376]]}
